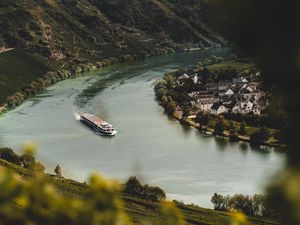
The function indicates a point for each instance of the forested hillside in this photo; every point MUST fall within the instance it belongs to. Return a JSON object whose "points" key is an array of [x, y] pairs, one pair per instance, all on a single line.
{"points": [[65, 34], [97, 29]]}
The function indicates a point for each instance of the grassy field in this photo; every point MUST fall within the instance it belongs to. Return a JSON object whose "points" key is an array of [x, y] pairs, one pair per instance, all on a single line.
{"points": [[140, 209], [239, 66], [16, 69]]}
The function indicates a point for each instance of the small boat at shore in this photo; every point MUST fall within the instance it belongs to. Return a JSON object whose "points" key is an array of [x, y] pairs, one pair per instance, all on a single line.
{"points": [[100, 126], [208, 132]]}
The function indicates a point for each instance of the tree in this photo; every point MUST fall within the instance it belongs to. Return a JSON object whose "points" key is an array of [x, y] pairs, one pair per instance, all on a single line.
{"points": [[58, 170], [231, 126], [259, 137], [219, 202], [160, 93], [134, 187], [9, 155], [220, 126], [243, 128], [171, 107], [203, 118], [164, 100], [169, 79]]}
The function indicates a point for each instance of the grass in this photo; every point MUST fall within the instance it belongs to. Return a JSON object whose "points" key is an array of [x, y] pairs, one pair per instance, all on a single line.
{"points": [[140, 209], [16, 69], [239, 66]]}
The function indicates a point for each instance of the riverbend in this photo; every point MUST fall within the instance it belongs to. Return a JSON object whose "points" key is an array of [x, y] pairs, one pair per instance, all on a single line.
{"points": [[188, 165]]}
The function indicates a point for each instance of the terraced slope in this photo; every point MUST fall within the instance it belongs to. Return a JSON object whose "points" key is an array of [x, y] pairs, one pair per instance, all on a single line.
{"points": [[141, 209]]}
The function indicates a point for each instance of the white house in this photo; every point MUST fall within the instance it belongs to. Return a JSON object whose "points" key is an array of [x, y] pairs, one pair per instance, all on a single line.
{"points": [[229, 92], [243, 107], [256, 110], [218, 109], [195, 78], [239, 80], [224, 85], [206, 105], [181, 80]]}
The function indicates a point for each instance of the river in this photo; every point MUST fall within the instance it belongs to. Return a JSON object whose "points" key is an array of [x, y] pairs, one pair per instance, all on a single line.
{"points": [[188, 165]]}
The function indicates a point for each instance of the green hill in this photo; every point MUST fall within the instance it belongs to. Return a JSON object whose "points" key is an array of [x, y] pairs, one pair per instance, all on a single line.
{"points": [[68, 33], [92, 29], [137, 208], [16, 69]]}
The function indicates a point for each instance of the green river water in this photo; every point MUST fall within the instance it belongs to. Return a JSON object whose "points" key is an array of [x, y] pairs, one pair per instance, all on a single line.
{"points": [[188, 165]]}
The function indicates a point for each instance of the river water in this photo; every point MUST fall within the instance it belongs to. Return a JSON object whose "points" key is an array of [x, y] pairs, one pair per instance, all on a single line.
{"points": [[188, 165]]}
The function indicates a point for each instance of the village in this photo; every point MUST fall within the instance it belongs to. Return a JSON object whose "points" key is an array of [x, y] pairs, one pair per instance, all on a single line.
{"points": [[242, 94]]}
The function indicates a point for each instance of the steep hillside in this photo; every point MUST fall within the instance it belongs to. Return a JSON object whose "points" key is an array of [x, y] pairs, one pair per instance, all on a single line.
{"points": [[93, 29], [66, 33], [18, 68]]}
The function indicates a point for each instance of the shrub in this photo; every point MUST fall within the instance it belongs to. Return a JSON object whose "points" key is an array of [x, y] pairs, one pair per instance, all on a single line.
{"points": [[134, 187], [259, 137], [9, 155]]}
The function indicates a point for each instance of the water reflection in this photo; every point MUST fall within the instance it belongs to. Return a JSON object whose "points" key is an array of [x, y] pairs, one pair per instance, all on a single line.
{"points": [[243, 146], [221, 142]]}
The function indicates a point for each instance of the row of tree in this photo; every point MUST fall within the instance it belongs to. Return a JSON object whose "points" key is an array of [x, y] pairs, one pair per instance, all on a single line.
{"points": [[164, 93], [76, 66], [221, 124], [255, 205], [210, 61]]}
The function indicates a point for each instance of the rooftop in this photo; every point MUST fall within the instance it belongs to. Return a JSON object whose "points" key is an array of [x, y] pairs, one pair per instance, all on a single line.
{"points": [[95, 119]]}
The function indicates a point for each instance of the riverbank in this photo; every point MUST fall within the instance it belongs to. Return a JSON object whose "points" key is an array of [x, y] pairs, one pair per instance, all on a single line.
{"points": [[74, 68], [210, 131]]}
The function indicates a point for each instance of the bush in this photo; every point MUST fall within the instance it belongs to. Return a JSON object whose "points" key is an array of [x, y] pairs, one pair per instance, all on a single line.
{"points": [[134, 187], [9, 155], [221, 126], [259, 137], [203, 118], [26, 160]]}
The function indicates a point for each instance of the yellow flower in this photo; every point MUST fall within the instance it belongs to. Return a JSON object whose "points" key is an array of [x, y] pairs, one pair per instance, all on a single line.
{"points": [[238, 218], [29, 148]]}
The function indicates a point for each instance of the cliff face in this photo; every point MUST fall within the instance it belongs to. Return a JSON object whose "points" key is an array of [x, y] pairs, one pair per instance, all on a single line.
{"points": [[63, 30]]}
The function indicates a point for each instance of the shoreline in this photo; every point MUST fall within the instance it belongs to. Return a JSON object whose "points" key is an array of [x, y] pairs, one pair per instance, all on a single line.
{"points": [[55, 76], [210, 131]]}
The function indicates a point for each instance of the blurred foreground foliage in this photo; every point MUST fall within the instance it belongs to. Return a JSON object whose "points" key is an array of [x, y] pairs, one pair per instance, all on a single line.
{"points": [[30, 196], [34, 199], [270, 31], [37, 201]]}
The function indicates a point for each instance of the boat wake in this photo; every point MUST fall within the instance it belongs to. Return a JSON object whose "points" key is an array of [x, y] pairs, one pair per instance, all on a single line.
{"points": [[76, 114]]}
